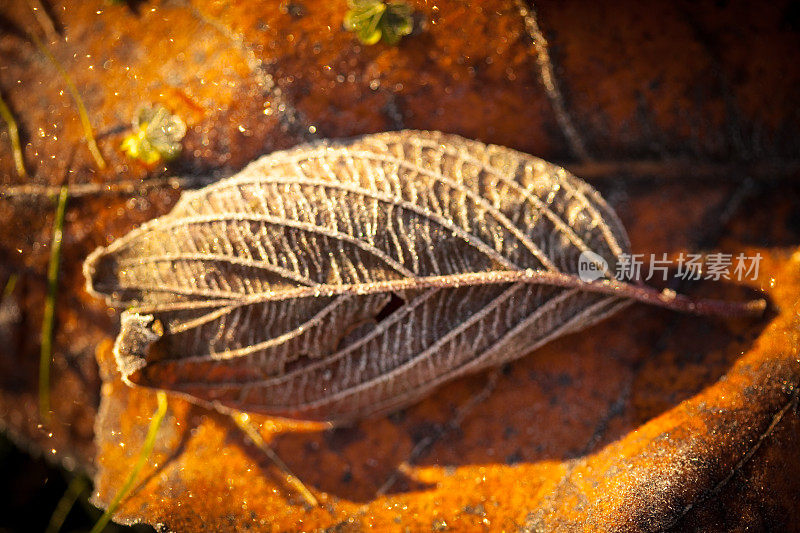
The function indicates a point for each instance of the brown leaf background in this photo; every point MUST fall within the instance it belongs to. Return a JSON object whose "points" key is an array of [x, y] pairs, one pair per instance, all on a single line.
{"points": [[648, 421]]}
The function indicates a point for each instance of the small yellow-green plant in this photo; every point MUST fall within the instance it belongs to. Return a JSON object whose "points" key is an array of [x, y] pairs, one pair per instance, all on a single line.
{"points": [[373, 20], [156, 136]]}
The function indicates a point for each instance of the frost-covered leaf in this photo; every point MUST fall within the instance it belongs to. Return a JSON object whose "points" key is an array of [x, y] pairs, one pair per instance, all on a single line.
{"points": [[210, 285], [345, 279]]}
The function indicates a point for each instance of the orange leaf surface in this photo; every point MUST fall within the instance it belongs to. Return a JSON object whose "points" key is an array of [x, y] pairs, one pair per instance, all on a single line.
{"points": [[652, 420]]}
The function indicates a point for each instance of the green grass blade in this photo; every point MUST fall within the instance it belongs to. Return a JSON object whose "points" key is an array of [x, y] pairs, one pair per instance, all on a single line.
{"points": [[43, 19], [10, 285], [76, 487], [147, 449], [13, 133], [46, 353], [88, 133]]}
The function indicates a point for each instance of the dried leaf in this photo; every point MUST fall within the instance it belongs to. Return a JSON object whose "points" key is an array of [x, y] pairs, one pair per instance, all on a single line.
{"points": [[341, 280], [674, 133]]}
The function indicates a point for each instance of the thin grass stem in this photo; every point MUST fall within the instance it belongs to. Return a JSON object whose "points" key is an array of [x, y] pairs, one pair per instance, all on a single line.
{"points": [[88, 133], [13, 133], [43, 18], [76, 487], [46, 352], [10, 285], [147, 449]]}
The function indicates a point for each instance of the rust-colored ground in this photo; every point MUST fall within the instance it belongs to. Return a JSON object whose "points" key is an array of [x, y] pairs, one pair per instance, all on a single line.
{"points": [[648, 421]]}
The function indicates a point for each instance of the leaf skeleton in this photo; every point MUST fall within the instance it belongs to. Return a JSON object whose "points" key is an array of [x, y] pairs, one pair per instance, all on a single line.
{"points": [[345, 279]]}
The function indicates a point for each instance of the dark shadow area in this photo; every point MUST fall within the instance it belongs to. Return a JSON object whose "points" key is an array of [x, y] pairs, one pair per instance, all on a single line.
{"points": [[640, 344], [332, 475], [31, 488], [633, 366]]}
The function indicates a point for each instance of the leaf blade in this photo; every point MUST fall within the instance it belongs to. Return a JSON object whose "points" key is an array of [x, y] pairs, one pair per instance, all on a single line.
{"points": [[432, 218]]}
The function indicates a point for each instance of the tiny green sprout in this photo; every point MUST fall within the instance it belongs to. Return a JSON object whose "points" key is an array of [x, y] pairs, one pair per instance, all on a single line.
{"points": [[156, 136], [372, 20]]}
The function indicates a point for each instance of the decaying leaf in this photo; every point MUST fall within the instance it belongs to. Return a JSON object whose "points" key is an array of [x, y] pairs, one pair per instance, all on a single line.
{"points": [[345, 279]]}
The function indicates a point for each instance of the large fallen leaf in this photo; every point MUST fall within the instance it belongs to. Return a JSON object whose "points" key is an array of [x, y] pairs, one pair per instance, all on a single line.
{"points": [[511, 461], [350, 279], [347, 279], [677, 103]]}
